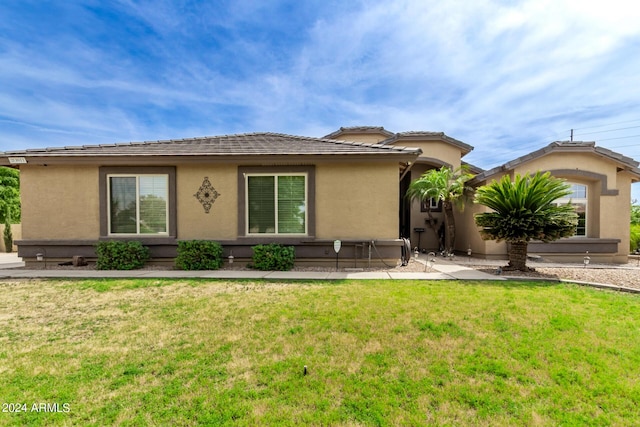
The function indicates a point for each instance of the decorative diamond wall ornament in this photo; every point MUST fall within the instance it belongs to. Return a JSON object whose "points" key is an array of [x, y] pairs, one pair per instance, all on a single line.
{"points": [[206, 194]]}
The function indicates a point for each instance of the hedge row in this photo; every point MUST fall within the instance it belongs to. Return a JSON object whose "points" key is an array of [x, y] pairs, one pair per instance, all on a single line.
{"points": [[192, 255]]}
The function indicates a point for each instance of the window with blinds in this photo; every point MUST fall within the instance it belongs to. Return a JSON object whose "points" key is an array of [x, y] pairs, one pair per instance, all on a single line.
{"points": [[276, 204], [138, 204], [579, 200]]}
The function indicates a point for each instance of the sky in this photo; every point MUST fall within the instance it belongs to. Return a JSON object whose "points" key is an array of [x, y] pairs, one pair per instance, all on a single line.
{"points": [[507, 77]]}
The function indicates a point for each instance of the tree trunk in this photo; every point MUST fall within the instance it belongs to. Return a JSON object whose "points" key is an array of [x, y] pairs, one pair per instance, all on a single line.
{"points": [[450, 224], [431, 222], [518, 256]]}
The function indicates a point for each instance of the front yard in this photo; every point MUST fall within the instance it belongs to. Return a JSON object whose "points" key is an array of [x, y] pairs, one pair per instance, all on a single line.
{"points": [[161, 352]]}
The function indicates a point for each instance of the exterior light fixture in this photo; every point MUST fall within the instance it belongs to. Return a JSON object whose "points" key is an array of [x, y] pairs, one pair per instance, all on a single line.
{"points": [[42, 256], [431, 259]]}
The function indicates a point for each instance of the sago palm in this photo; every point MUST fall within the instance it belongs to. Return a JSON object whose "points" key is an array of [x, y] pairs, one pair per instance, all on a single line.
{"points": [[524, 210], [445, 185]]}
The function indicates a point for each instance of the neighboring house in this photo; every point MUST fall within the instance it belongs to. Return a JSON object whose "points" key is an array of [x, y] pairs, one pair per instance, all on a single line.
{"points": [[242, 190]]}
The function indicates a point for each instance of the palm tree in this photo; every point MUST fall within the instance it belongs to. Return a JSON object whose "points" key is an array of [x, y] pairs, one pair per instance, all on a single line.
{"points": [[525, 209], [448, 186]]}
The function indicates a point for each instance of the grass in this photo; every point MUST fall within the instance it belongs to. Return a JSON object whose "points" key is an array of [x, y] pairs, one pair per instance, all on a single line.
{"points": [[160, 352]]}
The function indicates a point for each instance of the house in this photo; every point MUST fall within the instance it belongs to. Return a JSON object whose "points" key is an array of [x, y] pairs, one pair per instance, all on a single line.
{"points": [[240, 190], [243, 190], [600, 180]]}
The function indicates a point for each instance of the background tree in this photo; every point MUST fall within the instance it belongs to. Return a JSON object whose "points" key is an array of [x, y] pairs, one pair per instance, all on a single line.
{"points": [[9, 195], [525, 210], [9, 203], [448, 186], [634, 241]]}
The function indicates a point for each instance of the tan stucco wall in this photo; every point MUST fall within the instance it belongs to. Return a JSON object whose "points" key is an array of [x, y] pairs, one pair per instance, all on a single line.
{"points": [[352, 201], [59, 202], [582, 161], [437, 150], [357, 201], [221, 221], [618, 214]]}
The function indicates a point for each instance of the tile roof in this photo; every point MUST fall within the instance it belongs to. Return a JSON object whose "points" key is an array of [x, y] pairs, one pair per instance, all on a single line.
{"points": [[564, 146], [225, 145], [360, 129], [425, 135]]}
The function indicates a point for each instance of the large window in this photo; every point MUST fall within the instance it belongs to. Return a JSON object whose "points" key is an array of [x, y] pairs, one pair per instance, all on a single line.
{"points": [[276, 204], [138, 204], [578, 199]]}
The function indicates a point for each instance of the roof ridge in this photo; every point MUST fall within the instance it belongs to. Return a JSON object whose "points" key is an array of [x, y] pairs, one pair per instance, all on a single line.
{"points": [[558, 146]]}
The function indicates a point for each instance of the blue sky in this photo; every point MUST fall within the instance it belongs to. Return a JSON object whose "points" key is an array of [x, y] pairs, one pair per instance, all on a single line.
{"points": [[506, 77]]}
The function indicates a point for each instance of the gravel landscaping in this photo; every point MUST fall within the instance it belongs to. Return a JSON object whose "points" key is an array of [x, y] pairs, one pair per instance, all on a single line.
{"points": [[626, 275]]}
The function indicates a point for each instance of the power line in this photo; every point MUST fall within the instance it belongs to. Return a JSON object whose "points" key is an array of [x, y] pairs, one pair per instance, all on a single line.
{"points": [[625, 146], [621, 137], [608, 124], [610, 130]]}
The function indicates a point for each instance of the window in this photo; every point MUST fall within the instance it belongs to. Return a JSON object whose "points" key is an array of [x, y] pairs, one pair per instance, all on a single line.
{"points": [[433, 205], [578, 199], [138, 204], [276, 204]]}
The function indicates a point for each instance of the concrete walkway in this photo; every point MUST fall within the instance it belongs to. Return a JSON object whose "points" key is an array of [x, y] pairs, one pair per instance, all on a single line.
{"points": [[442, 270]]}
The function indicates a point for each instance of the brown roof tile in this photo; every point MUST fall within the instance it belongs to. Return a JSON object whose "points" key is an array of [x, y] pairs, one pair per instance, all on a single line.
{"points": [[563, 146], [225, 145]]}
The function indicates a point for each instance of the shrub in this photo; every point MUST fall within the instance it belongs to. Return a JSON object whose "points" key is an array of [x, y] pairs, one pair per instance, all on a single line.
{"points": [[199, 255], [634, 242], [119, 255], [273, 257], [8, 237]]}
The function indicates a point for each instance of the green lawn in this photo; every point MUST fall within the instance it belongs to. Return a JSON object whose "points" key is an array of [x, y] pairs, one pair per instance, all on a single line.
{"points": [[377, 353]]}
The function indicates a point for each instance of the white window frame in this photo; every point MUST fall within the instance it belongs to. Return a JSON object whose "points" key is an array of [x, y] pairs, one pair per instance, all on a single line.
{"points": [[276, 175], [137, 177], [572, 200], [434, 203]]}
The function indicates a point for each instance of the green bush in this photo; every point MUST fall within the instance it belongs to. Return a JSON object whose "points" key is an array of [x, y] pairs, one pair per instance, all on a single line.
{"points": [[273, 257], [120, 255], [8, 237], [635, 237], [199, 255]]}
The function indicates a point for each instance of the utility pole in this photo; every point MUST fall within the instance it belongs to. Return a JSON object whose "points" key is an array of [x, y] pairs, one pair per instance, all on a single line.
{"points": [[571, 135]]}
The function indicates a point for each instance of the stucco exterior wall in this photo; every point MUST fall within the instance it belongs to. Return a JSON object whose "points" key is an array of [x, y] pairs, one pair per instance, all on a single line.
{"points": [[577, 161], [442, 151], [357, 201], [59, 202], [618, 211], [221, 223]]}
